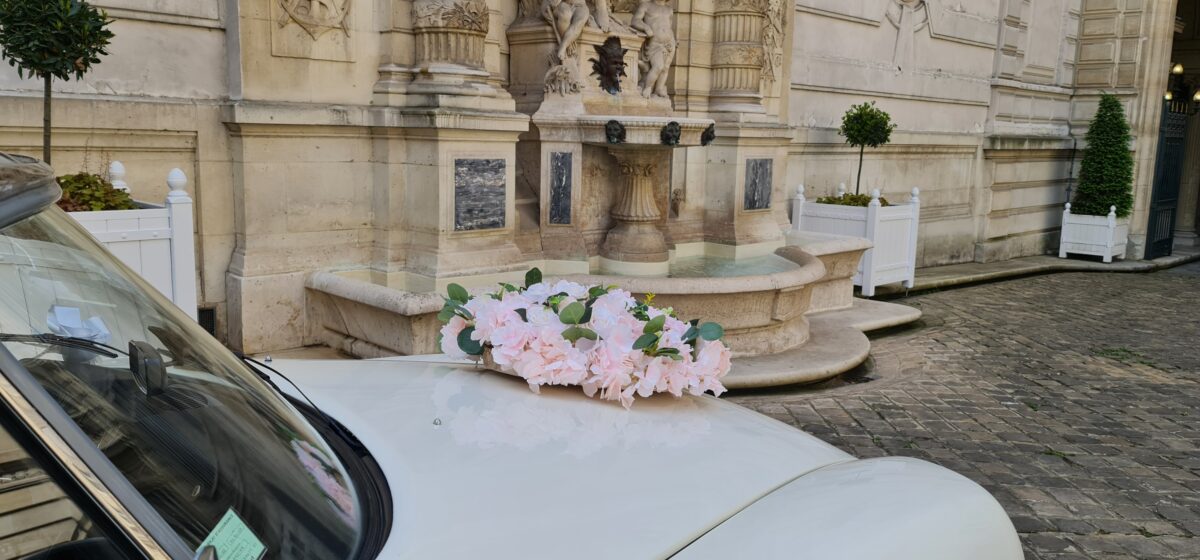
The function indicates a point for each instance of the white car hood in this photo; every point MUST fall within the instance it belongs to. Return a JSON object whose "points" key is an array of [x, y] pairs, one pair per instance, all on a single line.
{"points": [[480, 467]]}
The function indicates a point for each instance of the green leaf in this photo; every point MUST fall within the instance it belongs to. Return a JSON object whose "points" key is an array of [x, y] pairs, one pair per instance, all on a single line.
{"points": [[466, 344], [711, 331], [533, 277], [574, 333], [587, 314], [691, 334], [458, 293], [572, 314], [655, 325], [524, 313], [645, 341], [445, 314]]}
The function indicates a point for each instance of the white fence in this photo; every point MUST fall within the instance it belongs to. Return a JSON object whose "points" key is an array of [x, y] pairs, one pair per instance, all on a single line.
{"points": [[892, 231], [155, 241]]}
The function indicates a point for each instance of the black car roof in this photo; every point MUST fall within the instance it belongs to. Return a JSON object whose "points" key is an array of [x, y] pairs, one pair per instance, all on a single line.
{"points": [[27, 185]]}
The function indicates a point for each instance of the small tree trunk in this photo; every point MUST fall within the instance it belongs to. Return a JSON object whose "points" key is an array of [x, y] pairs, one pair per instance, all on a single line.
{"points": [[46, 120], [858, 181]]}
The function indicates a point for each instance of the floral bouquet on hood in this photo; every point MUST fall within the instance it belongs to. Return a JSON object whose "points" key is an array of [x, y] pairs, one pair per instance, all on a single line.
{"points": [[599, 338]]}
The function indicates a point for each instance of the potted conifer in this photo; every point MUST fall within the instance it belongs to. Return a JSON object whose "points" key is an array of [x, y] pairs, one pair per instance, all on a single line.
{"points": [[1096, 221]]}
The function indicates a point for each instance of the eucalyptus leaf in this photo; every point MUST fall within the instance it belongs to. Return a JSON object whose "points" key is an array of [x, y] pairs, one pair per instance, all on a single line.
{"points": [[572, 314], [445, 314], [457, 293], [691, 334], [655, 325], [468, 345], [645, 341], [533, 277], [711, 331], [524, 313]]}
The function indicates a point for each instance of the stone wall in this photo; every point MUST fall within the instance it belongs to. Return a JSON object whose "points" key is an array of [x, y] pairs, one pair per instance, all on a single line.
{"points": [[981, 92]]}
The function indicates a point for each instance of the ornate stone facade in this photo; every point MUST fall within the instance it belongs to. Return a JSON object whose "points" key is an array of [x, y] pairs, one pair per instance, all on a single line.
{"points": [[324, 134]]}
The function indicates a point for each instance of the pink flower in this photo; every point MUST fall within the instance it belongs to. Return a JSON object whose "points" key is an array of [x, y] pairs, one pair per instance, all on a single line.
{"points": [[510, 341], [450, 337], [712, 363]]}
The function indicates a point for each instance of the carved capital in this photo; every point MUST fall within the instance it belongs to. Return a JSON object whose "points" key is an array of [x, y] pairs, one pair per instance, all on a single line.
{"points": [[463, 15], [756, 6]]}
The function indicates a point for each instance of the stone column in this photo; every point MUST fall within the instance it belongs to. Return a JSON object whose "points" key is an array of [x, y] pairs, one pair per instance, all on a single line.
{"points": [[636, 238], [738, 56], [1189, 187]]}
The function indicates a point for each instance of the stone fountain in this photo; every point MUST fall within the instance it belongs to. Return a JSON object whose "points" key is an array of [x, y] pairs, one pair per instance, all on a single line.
{"points": [[613, 185]]}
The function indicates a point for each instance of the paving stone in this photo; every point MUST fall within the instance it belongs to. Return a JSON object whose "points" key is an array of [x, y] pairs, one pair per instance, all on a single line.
{"points": [[1072, 397]]}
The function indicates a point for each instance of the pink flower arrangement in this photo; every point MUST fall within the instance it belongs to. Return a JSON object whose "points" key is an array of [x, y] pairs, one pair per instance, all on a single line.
{"points": [[598, 338]]}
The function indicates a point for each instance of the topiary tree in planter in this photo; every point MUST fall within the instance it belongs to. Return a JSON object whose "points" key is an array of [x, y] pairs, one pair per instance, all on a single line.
{"points": [[1106, 171], [52, 39], [865, 125]]}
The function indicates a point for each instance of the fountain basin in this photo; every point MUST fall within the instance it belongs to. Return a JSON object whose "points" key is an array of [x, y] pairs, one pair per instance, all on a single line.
{"points": [[763, 313], [761, 301]]}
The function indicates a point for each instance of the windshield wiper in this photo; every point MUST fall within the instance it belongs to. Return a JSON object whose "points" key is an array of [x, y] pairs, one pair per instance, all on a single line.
{"points": [[63, 341]]}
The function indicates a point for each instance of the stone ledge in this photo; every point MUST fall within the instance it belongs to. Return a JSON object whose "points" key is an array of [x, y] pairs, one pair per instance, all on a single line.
{"points": [[966, 274], [836, 345]]}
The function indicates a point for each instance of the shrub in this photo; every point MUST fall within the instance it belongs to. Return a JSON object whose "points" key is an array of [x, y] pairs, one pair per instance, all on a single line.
{"points": [[83, 192], [864, 125], [851, 200], [1106, 171]]}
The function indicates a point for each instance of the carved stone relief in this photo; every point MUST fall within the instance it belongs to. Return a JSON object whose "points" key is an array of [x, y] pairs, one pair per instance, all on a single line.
{"points": [[609, 64], [315, 17], [909, 17], [772, 36]]}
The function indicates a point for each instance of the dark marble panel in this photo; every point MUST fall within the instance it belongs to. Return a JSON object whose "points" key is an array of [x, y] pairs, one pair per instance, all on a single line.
{"points": [[560, 187], [758, 183], [478, 194]]}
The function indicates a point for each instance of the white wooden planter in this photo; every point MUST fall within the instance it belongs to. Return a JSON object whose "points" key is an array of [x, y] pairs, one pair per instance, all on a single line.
{"points": [[1102, 236], [155, 241], [892, 231]]}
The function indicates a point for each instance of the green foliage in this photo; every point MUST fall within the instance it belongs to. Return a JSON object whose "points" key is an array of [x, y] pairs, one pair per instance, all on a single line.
{"points": [[58, 38], [851, 200], [91, 192], [865, 125], [1106, 171]]}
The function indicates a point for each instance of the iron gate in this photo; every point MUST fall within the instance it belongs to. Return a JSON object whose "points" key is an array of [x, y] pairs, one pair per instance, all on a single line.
{"points": [[1168, 169]]}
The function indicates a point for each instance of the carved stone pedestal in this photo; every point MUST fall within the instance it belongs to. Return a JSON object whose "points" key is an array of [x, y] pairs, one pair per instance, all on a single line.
{"points": [[636, 245]]}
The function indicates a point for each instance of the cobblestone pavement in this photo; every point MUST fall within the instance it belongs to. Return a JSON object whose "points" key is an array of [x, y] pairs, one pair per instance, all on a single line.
{"points": [[1073, 398]]}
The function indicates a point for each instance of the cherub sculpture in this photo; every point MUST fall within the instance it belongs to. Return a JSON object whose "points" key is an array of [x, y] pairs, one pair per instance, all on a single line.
{"points": [[652, 18]]}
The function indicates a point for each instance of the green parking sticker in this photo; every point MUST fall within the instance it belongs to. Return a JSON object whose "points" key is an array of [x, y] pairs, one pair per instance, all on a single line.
{"points": [[233, 540]]}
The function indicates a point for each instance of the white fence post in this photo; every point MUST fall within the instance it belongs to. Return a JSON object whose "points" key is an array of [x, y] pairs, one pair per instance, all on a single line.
{"points": [[868, 259], [1110, 233], [913, 228], [1062, 236], [116, 176], [798, 208], [183, 246]]}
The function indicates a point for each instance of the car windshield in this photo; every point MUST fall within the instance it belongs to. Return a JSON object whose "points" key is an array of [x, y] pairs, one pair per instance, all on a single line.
{"points": [[218, 453]]}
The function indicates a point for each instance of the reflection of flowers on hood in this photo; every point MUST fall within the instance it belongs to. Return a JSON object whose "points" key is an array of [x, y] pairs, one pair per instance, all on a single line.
{"points": [[328, 478], [526, 421]]}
